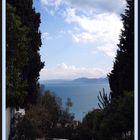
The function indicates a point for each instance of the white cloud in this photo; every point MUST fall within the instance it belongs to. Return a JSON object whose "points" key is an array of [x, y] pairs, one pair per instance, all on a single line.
{"points": [[64, 71], [94, 21], [83, 37], [46, 36], [91, 6], [101, 6], [44, 2], [55, 3], [102, 30], [100, 23], [108, 49]]}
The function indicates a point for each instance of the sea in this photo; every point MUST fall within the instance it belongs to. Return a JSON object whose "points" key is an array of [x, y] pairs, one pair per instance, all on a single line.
{"points": [[83, 95]]}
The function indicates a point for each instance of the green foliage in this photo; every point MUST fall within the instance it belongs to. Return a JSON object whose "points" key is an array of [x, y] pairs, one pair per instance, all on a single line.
{"points": [[68, 104], [30, 72], [114, 121], [16, 51], [21, 128], [39, 119], [65, 115], [42, 118], [118, 117], [103, 99], [121, 77], [92, 122], [44, 115]]}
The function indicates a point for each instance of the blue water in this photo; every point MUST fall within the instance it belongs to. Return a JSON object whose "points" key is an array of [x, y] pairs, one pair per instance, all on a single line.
{"points": [[83, 95]]}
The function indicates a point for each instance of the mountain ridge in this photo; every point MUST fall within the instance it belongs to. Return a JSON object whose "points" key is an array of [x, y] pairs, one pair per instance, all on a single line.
{"points": [[77, 80]]}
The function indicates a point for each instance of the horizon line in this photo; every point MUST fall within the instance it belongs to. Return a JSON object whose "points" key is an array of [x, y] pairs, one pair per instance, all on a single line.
{"points": [[73, 78]]}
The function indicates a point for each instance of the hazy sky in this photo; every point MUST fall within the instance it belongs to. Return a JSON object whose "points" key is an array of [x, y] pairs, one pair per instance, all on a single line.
{"points": [[79, 37]]}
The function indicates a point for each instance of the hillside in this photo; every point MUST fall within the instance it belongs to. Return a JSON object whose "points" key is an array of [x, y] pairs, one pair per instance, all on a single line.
{"points": [[78, 80]]}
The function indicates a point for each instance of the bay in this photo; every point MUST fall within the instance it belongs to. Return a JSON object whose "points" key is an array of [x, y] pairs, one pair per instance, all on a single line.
{"points": [[83, 95]]}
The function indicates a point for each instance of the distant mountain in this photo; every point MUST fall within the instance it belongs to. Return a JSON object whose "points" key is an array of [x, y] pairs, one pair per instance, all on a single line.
{"points": [[57, 81], [78, 80], [93, 80]]}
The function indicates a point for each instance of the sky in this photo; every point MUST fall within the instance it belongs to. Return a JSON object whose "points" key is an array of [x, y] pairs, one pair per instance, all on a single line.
{"points": [[79, 37]]}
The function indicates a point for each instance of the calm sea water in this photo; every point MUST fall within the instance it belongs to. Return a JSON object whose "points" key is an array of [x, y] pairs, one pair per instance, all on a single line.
{"points": [[83, 95]]}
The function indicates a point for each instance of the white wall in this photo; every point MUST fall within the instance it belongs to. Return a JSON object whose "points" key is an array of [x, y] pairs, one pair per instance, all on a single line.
{"points": [[8, 121], [9, 116]]}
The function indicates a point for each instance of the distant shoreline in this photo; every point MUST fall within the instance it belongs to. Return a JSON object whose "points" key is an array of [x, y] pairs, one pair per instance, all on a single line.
{"points": [[77, 80]]}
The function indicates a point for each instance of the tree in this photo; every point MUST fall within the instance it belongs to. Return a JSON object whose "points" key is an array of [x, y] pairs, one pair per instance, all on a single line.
{"points": [[45, 114], [16, 58], [31, 70], [39, 120], [68, 104], [121, 77], [114, 121], [92, 121], [22, 128], [104, 99], [66, 116], [118, 118]]}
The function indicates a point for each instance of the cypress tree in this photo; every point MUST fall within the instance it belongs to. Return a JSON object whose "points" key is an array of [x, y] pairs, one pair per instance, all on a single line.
{"points": [[17, 58], [31, 70], [121, 77]]}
